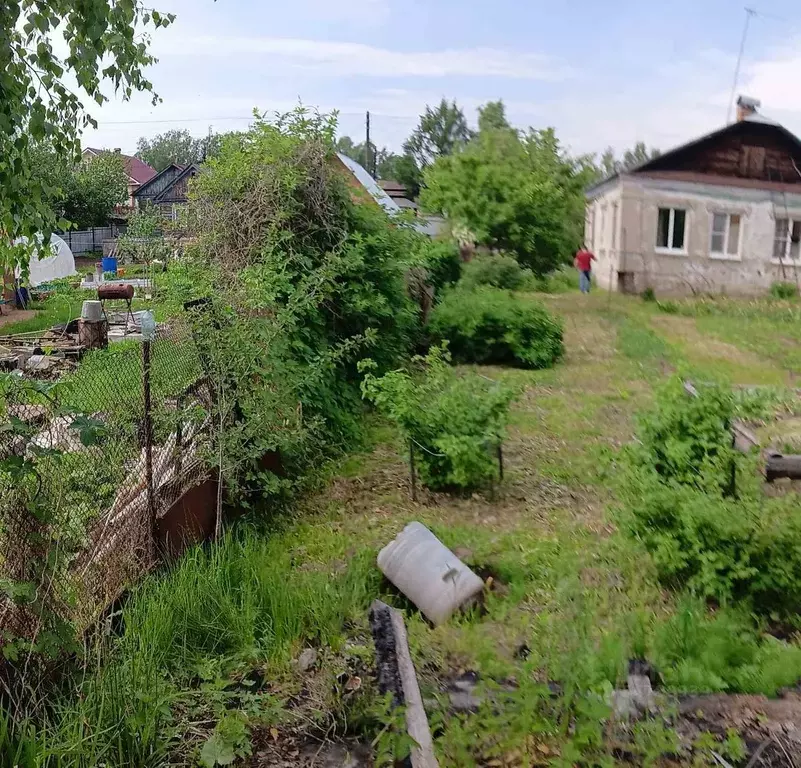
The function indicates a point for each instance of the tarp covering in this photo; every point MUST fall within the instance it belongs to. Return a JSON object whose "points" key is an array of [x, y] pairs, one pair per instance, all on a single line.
{"points": [[51, 262]]}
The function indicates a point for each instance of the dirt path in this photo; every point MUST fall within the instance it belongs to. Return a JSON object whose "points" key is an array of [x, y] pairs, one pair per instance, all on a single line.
{"points": [[11, 315]]}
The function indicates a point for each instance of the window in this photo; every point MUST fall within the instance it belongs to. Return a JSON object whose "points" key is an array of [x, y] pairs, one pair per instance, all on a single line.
{"points": [[725, 238], [670, 228], [787, 240]]}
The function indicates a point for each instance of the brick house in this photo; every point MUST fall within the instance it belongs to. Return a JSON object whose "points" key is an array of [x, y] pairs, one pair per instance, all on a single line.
{"points": [[720, 214]]}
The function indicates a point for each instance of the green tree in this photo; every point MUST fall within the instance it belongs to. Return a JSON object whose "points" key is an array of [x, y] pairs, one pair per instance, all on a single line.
{"points": [[106, 43], [441, 131], [512, 193], [175, 146], [84, 193], [492, 116], [609, 164], [98, 185], [361, 153]]}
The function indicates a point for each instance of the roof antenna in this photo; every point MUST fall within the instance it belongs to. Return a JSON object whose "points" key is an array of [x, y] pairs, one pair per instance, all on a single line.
{"points": [[749, 13]]}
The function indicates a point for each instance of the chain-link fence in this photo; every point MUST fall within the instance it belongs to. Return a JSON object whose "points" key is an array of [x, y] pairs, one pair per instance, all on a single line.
{"points": [[96, 464]]}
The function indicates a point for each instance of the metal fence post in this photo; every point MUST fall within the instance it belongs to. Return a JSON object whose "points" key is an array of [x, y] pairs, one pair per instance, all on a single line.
{"points": [[413, 470], [148, 429]]}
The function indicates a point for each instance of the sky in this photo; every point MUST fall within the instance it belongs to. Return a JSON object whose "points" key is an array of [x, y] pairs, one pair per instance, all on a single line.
{"points": [[601, 73]]}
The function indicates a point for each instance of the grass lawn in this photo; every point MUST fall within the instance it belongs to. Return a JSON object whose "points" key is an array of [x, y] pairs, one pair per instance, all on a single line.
{"points": [[210, 648]]}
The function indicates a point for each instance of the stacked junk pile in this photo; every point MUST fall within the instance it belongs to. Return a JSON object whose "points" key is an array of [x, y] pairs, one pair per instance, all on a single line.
{"points": [[103, 469]]}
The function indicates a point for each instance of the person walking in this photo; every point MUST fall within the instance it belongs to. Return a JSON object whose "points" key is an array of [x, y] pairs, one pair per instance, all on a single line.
{"points": [[583, 262]]}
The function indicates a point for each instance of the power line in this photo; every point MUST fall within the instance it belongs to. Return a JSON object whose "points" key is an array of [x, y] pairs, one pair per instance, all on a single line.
{"points": [[749, 13], [101, 122]]}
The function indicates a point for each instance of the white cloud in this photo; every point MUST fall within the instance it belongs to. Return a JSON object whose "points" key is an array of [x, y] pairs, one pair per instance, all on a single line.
{"points": [[338, 59]]}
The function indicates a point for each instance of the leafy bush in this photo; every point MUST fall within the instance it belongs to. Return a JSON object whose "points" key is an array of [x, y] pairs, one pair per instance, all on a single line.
{"points": [[497, 270], [679, 496], [783, 290], [488, 325], [562, 280], [455, 421], [648, 294], [687, 439], [292, 293], [441, 261]]}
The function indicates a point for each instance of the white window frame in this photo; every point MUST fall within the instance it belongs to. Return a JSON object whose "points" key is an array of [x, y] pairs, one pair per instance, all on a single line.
{"points": [[671, 222], [787, 260], [724, 255]]}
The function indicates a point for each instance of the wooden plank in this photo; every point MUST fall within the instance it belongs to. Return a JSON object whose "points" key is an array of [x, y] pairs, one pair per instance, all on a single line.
{"points": [[396, 674]]}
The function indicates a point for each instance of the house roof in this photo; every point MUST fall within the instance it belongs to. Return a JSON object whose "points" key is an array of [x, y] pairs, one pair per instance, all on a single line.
{"points": [[654, 163], [369, 183], [392, 188], [182, 173], [138, 171]]}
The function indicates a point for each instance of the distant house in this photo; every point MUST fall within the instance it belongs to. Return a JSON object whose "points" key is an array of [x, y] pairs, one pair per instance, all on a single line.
{"points": [[398, 193], [138, 171], [167, 189], [367, 188], [721, 213]]}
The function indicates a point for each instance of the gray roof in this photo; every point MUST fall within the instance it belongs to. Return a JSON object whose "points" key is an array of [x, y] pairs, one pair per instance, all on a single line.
{"points": [[369, 183]]}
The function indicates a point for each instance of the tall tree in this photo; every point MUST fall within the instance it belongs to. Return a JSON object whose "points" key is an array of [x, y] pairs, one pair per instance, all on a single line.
{"points": [[84, 193], [513, 193], [175, 146], [609, 164], [441, 130], [638, 155], [492, 116], [106, 43]]}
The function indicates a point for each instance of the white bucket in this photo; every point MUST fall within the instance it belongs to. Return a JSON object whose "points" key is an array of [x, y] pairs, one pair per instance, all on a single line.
{"points": [[92, 310], [428, 573]]}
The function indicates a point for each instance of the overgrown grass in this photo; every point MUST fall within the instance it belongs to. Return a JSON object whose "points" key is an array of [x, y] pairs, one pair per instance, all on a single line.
{"points": [[247, 602], [574, 599]]}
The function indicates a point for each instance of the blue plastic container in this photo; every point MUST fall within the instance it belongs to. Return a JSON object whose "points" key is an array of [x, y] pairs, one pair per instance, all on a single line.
{"points": [[110, 264]]}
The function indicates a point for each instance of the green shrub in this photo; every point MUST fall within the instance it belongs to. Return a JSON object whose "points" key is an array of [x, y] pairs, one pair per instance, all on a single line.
{"points": [[455, 421], [308, 285], [561, 280], [488, 325], [687, 439], [441, 261], [648, 294], [679, 493], [784, 290], [497, 270]]}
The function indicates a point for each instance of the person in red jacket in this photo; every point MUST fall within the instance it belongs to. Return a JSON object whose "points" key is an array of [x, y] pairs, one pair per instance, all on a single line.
{"points": [[583, 262]]}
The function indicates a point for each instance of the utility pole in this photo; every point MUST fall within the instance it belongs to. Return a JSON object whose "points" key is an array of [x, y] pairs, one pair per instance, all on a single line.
{"points": [[368, 148], [749, 13]]}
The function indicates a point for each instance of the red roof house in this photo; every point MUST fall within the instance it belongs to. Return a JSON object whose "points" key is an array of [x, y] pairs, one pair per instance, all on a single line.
{"points": [[138, 171]]}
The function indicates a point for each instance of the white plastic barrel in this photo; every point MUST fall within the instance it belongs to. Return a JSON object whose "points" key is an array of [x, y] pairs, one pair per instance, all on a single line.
{"points": [[428, 573]]}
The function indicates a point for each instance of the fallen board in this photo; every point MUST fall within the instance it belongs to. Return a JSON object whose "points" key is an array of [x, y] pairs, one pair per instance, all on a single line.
{"points": [[396, 675]]}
